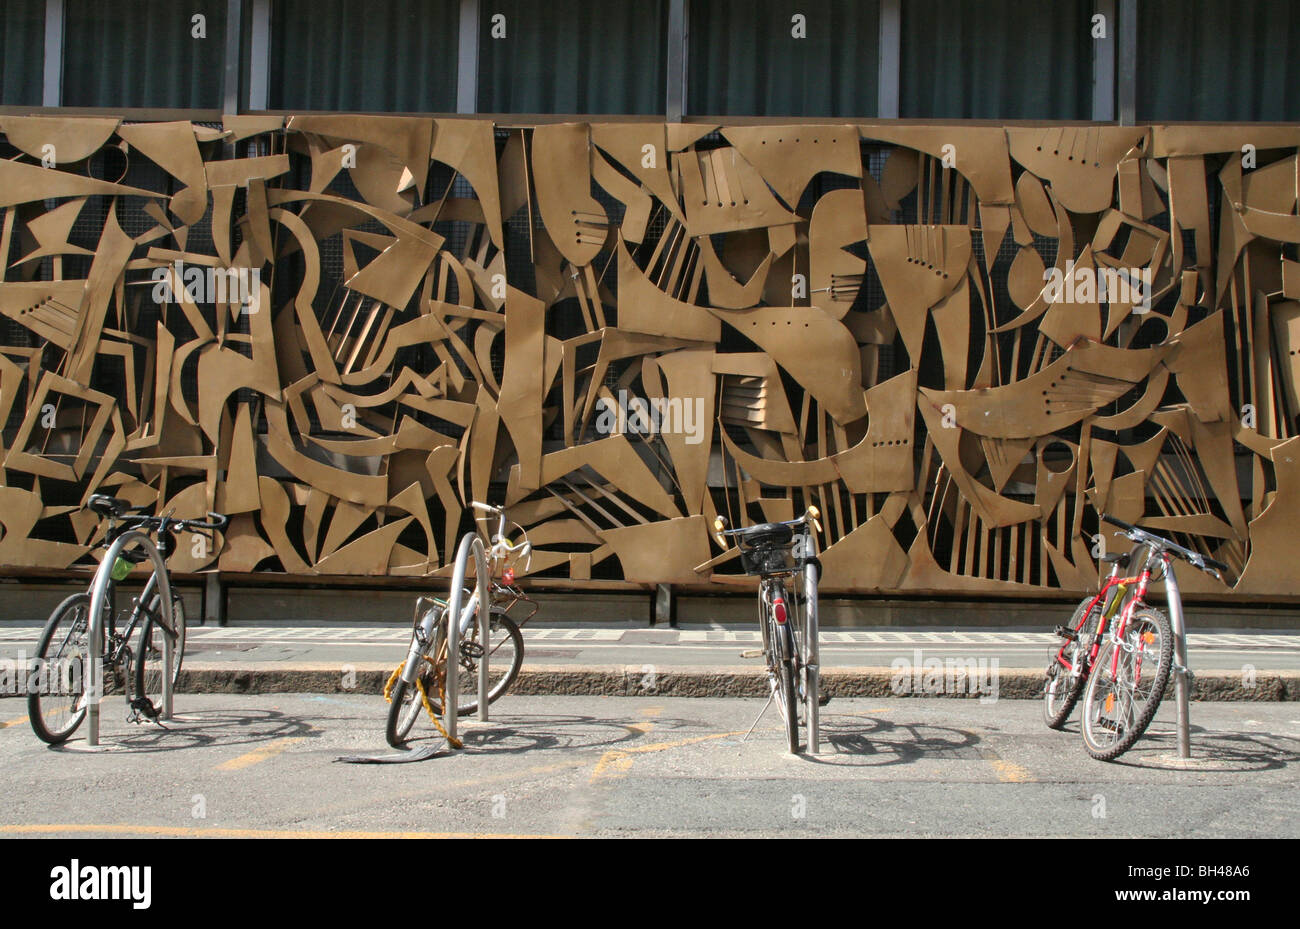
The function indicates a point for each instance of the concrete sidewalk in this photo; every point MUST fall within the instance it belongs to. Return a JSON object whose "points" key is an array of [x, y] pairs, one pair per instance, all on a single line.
{"points": [[623, 659]]}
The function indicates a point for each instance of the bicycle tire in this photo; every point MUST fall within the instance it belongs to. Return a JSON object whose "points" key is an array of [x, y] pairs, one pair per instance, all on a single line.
{"points": [[792, 707], [467, 676], [1121, 691], [1062, 688], [403, 710], [55, 717], [149, 669], [781, 672]]}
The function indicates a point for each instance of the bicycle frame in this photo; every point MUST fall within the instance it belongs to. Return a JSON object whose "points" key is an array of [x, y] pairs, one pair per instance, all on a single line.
{"points": [[1143, 580], [459, 611], [1121, 586], [99, 589]]}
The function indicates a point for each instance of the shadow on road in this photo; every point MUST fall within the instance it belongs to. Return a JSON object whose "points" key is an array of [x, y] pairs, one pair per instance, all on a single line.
{"points": [[517, 733], [869, 741], [1214, 750], [196, 729]]}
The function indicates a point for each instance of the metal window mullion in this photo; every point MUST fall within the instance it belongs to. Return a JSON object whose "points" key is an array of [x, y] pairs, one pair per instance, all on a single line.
{"points": [[1103, 65], [1127, 70], [52, 77], [234, 38], [888, 80], [259, 57], [467, 58], [675, 60]]}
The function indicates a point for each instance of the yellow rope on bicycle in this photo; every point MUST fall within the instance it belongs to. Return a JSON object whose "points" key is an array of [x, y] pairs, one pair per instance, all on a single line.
{"points": [[424, 699]]}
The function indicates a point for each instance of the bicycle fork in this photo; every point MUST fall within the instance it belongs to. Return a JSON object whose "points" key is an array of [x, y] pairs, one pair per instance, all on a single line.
{"points": [[428, 613], [426, 631]]}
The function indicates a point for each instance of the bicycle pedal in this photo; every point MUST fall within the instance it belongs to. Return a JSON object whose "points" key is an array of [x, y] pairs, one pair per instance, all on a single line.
{"points": [[471, 650], [1068, 634], [752, 653], [142, 708]]}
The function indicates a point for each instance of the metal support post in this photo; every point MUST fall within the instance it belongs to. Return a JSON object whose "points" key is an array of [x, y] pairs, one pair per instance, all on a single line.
{"points": [[98, 591], [1182, 675], [812, 660]]}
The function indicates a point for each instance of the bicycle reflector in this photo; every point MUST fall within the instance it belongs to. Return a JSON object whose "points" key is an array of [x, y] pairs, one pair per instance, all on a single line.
{"points": [[778, 609], [508, 575]]}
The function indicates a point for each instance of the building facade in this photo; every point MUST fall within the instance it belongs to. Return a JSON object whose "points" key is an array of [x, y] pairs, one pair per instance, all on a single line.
{"points": [[963, 275]]}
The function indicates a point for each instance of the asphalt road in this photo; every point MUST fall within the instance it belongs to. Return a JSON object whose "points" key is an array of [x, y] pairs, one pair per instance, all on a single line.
{"points": [[582, 766]]}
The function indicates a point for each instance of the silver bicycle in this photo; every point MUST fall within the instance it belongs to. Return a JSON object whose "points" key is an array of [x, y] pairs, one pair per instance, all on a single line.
{"points": [[420, 682]]}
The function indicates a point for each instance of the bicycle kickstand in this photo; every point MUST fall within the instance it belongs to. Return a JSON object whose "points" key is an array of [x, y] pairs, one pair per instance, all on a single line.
{"points": [[759, 717]]}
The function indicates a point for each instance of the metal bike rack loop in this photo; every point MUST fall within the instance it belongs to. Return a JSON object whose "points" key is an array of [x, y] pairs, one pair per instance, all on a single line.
{"points": [[812, 660], [1181, 672], [99, 590], [469, 544]]}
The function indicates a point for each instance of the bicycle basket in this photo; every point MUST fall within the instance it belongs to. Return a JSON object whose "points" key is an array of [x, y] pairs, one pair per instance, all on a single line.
{"points": [[768, 558]]}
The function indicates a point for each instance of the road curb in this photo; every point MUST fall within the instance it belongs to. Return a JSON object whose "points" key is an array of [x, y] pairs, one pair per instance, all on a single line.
{"points": [[650, 681]]}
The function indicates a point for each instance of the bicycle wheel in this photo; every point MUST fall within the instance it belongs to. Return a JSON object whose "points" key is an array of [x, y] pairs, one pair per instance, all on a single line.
{"points": [[782, 676], [1063, 687], [149, 667], [404, 702], [58, 704], [505, 658], [790, 705], [1119, 705]]}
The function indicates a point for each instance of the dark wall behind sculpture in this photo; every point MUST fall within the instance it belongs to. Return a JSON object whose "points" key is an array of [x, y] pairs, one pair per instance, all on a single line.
{"points": [[960, 342]]}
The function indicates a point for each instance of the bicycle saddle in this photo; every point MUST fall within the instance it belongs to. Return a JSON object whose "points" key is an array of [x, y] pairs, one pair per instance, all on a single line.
{"points": [[104, 505], [766, 534], [1120, 558]]}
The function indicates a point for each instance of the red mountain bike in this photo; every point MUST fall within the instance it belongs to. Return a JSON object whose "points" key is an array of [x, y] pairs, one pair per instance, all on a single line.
{"points": [[1118, 650]]}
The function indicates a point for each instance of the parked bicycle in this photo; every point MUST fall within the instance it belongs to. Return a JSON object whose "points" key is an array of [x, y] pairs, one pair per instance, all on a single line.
{"points": [[420, 681], [57, 708], [1118, 651], [779, 554]]}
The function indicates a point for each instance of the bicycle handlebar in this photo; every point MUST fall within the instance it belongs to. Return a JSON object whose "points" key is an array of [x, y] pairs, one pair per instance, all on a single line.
{"points": [[215, 522], [499, 544], [811, 515], [1195, 559]]}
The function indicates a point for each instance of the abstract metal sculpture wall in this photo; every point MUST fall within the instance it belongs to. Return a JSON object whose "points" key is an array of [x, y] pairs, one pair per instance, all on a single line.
{"points": [[960, 342]]}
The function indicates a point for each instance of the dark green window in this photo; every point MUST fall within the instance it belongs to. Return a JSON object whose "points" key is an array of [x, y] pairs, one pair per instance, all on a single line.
{"points": [[746, 60], [22, 52], [364, 55], [143, 53], [572, 56], [996, 59], [1218, 60]]}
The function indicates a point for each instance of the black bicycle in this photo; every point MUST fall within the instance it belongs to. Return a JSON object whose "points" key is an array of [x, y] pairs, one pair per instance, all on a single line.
{"points": [[776, 553], [58, 699]]}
